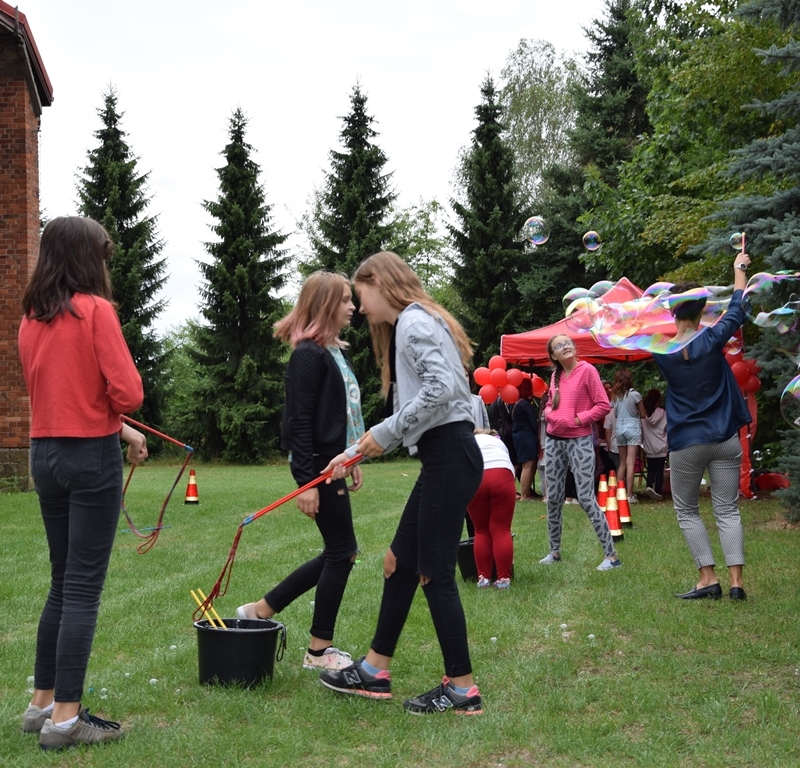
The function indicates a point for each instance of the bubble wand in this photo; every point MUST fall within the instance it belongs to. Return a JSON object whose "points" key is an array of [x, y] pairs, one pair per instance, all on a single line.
{"points": [[221, 585], [151, 538]]}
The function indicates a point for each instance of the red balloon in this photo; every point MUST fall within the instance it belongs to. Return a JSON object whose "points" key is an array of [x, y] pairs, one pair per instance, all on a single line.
{"points": [[740, 372], [734, 357], [497, 362], [509, 394], [488, 393], [481, 376], [498, 377], [539, 385], [752, 385], [515, 376]]}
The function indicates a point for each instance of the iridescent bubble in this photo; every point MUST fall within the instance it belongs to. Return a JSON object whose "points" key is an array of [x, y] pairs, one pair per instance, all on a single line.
{"points": [[790, 402], [592, 241], [572, 295], [601, 287], [536, 230], [737, 241], [656, 288]]}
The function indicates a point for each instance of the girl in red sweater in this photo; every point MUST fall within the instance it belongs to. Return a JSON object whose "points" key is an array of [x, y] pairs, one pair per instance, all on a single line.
{"points": [[577, 399], [80, 378]]}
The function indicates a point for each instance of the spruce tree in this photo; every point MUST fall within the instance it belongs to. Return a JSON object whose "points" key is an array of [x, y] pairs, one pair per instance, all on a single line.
{"points": [[112, 191], [770, 217], [488, 238], [239, 398], [350, 221]]}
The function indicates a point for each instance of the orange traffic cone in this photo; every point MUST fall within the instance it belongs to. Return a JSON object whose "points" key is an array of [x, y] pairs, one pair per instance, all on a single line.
{"points": [[624, 507], [612, 518], [602, 492], [612, 483], [191, 489]]}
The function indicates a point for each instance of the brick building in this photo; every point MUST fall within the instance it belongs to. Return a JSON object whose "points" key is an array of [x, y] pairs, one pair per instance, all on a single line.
{"points": [[25, 90]]}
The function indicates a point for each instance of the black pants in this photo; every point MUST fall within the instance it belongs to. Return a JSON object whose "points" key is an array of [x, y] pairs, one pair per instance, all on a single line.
{"points": [[655, 472], [330, 570], [426, 543], [79, 484]]}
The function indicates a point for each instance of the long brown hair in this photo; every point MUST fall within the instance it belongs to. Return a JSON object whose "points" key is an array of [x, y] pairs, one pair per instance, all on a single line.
{"points": [[400, 287], [313, 317], [72, 259], [623, 381]]}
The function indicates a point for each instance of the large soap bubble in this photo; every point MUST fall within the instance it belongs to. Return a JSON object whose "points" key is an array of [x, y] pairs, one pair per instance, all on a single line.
{"points": [[536, 230]]}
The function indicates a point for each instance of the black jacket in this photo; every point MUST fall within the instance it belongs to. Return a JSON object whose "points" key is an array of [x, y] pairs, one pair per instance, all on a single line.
{"points": [[314, 417]]}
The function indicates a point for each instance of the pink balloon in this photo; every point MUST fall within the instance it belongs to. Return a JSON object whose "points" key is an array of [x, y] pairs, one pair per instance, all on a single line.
{"points": [[497, 362], [515, 376], [509, 394], [498, 377], [481, 376], [488, 393]]}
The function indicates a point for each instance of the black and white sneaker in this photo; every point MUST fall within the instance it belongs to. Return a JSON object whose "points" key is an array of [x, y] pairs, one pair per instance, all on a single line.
{"points": [[355, 679], [444, 697]]}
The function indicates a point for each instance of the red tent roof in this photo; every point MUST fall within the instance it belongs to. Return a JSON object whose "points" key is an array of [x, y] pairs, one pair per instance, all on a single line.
{"points": [[530, 348]]}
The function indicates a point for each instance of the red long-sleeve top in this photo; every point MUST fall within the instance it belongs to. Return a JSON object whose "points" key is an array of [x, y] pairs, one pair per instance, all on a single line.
{"points": [[582, 395], [79, 372]]}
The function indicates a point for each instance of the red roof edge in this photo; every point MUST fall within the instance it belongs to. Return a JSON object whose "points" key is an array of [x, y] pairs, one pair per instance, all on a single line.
{"points": [[17, 22]]}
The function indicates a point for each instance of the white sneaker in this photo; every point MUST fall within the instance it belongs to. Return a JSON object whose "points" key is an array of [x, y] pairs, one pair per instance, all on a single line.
{"points": [[632, 499], [247, 611], [609, 564], [651, 494], [550, 559], [333, 659]]}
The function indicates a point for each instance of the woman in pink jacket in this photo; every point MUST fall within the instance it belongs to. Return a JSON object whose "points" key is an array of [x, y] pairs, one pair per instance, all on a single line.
{"points": [[577, 399]]}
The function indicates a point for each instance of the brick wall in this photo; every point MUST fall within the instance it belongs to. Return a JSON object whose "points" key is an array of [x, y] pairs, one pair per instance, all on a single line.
{"points": [[19, 244]]}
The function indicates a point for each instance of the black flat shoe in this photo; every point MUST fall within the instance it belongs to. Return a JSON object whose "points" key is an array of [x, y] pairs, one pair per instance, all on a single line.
{"points": [[714, 591], [737, 593]]}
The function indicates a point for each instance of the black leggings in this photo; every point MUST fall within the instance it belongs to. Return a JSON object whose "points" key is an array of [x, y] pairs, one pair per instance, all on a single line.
{"points": [[426, 543], [328, 571]]}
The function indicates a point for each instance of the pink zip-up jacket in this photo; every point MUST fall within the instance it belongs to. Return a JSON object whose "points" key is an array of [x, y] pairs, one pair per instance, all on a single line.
{"points": [[582, 395]]}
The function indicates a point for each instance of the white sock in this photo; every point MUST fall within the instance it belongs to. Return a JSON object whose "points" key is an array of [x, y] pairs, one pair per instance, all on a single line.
{"points": [[67, 724]]}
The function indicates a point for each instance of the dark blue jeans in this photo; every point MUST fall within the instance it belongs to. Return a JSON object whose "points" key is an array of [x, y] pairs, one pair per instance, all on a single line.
{"points": [[330, 570], [426, 543], [79, 483]]}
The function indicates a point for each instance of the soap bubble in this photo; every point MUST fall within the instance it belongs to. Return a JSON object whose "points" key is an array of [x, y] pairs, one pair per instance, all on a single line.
{"points": [[536, 230], [173, 647], [153, 681], [737, 241], [493, 639], [592, 241], [563, 626], [790, 402]]}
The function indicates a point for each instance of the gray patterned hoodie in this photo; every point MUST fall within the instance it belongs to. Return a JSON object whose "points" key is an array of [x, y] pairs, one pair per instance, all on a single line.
{"points": [[431, 388]]}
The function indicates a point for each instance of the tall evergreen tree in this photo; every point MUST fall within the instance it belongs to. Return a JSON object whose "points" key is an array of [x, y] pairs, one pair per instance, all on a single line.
{"points": [[350, 221], [611, 101], [771, 217], [239, 399], [488, 238], [112, 191]]}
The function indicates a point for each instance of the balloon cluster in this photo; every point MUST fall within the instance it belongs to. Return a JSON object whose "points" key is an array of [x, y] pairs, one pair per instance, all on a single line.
{"points": [[744, 371], [497, 380]]}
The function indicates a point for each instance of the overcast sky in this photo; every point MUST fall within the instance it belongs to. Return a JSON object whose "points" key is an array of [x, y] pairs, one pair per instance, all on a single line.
{"points": [[180, 68]]}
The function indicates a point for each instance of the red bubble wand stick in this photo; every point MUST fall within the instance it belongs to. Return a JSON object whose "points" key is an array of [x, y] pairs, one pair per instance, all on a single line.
{"points": [[151, 537], [221, 585]]}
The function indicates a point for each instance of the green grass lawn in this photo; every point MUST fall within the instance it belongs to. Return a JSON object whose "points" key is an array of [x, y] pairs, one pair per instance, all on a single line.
{"points": [[576, 667]]}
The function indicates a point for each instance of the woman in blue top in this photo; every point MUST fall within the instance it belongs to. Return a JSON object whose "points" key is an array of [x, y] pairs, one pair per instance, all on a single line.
{"points": [[705, 410]]}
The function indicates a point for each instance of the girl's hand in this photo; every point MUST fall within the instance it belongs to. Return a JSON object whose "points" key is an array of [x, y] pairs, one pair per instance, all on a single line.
{"points": [[308, 502], [358, 478], [369, 446], [137, 444]]}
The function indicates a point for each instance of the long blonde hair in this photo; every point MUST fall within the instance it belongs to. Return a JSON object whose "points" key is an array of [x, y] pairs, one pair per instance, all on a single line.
{"points": [[400, 287], [313, 317]]}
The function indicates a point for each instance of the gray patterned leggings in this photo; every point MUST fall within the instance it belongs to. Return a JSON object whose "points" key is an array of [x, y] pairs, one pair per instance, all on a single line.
{"points": [[686, 472], [576, 453]]}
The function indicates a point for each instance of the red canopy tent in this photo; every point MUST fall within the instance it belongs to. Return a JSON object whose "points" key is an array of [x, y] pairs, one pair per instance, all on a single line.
{"points": [[530, 348]]}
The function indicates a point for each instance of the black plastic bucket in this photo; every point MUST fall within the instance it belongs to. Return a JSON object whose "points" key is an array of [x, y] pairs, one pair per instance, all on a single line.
{"points": [[244, 654], [466, 561]]}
